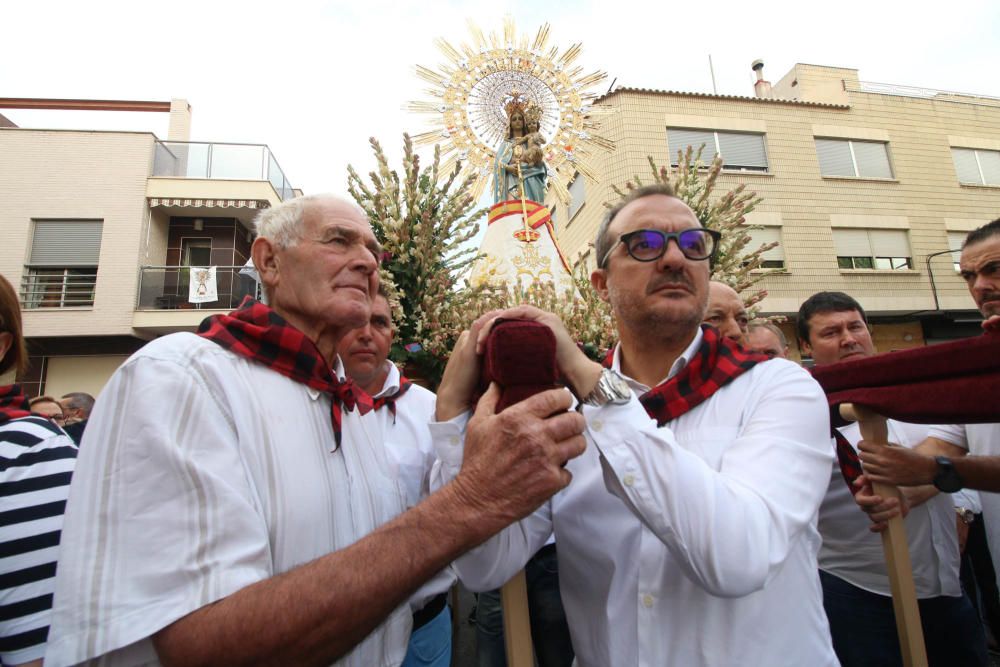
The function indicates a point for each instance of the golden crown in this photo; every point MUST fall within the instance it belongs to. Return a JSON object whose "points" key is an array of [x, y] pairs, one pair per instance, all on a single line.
{"points": [[533, 114], [517, 102]]}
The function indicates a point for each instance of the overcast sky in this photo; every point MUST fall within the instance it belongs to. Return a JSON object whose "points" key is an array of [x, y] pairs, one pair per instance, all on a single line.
{"points": [[315, 79]]}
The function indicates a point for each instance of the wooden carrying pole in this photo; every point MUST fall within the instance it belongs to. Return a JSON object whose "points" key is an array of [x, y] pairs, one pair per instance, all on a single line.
{"points": [[897, 552], [516, 623]]}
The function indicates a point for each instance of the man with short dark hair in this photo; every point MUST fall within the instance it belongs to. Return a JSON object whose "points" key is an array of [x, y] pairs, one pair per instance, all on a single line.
{"points": [[683, 540], [856, 591], [236, 502], [767, 338]]}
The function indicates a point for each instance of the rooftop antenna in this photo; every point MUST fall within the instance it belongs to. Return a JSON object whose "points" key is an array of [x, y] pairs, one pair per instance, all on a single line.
{"points": [[712, 70]]}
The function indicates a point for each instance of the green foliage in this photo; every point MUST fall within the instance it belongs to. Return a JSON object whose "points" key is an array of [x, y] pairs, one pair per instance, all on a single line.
{"points": [[424, 221]]}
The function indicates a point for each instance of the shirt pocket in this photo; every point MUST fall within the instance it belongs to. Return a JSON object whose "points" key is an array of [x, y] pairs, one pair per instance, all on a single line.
{"points": [[407, 465]]}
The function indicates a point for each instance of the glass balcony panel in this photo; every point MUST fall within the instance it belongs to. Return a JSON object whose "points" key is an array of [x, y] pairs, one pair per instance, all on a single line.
{"points": [[237, 162], [254, 162], [167, 288]]}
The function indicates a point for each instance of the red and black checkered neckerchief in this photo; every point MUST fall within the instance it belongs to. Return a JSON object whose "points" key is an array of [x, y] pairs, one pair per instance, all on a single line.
{"points": [[717, 362], [258, 333], [13, 404], [389, 400], [847, 458]]}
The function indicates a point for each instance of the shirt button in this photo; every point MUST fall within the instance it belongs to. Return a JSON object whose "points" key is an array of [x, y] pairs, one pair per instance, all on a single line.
{"points": [[647, 600], [628, 480], [454, 440], [597, 425]]}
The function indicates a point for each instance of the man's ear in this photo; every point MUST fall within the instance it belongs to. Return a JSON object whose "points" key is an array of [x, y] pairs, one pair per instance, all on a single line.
{"points": [[805, 348], [265, 259], [599, 281]]}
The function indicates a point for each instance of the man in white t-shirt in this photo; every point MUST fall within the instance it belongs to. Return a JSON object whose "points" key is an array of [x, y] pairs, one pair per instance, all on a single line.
{"points": [[943, 462], [833, 328], [235, 500], [405, 410]]}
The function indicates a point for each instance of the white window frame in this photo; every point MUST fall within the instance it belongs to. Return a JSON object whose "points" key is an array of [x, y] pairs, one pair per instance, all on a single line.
{"points": [[979, 164], [854, 159], [871, 251], [754, 244], [718, 150]]}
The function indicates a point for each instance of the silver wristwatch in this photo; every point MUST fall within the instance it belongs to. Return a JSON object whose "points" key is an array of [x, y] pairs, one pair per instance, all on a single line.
{"points": [[610, 388]]}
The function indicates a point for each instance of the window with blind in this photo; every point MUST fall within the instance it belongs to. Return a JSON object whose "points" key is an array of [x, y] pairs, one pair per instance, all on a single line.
{"points": [[955, 241], [577, 196], [976, 167], [883, 249], [61, 270], [773, 258], [739, 150], [852, 158]]}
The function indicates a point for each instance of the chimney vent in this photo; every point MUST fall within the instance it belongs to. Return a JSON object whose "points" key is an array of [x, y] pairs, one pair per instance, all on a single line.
{"points": [[761, 88]]}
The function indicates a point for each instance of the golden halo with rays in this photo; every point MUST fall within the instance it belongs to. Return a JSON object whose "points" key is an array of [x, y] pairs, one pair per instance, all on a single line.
{"points": [[471, 91]]}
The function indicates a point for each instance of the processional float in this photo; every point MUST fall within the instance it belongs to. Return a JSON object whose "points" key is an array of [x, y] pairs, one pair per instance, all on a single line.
{"points": [[952, 383], [519, 116]]}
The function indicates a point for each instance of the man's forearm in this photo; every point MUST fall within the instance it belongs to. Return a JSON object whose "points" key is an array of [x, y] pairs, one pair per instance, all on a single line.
{"points": [[318, 612], [979, 472]]}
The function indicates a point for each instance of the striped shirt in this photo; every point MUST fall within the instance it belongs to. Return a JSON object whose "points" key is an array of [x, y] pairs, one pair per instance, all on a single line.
{"points": [[36, 464], [202, 473]]}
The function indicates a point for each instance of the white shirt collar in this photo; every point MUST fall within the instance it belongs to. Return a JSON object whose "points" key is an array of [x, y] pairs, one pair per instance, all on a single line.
{"points": [[338, 369], [677, 367], [391, 384]]}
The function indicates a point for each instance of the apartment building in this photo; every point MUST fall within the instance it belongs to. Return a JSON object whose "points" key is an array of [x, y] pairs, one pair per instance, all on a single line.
{"points": [[104, 232], [867, 187]]}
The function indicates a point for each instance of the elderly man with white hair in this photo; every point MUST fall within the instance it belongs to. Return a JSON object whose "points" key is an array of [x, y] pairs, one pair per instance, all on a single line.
{"points": [[235, 501]]}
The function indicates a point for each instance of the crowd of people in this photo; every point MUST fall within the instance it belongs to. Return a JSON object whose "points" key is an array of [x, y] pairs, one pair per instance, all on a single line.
{"points": [[271, 489]]}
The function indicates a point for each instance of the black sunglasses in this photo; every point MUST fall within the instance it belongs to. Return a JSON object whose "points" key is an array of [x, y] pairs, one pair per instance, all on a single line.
{"points": [[648, 245]]}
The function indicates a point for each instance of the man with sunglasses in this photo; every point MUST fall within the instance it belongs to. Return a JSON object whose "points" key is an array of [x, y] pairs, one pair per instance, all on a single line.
{"points": [[687, 535]]}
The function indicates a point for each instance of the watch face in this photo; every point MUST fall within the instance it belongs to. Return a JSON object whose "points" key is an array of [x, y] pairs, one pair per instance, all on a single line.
{"points": [[947, 478]]}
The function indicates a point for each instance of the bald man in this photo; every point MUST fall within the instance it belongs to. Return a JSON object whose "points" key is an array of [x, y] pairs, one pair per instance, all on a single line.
{"points": [[726, 312], [766, 338]]}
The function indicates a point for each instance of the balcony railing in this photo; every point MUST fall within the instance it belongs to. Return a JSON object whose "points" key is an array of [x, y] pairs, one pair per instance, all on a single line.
{"points": [[190, 159], [51, 287], [168, 287]]}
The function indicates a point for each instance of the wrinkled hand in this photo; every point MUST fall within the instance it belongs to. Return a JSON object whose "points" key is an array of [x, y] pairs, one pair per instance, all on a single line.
{"points": [[461, 375], [514, 461], [878, 508], [580, 372], [992, 324], [898, 466]]}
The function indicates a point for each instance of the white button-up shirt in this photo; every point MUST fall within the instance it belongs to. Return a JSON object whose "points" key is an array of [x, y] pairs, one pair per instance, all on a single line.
{"points": [[980, 440], [691, 544], [853, 553], [201, 473], [411, 456]]}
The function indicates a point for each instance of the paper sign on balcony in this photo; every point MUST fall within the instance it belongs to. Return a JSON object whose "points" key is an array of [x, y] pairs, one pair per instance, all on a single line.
{"points": [[202, 287]]}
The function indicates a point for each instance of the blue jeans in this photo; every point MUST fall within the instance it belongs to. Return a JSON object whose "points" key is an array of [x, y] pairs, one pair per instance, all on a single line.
{"points": [[863, 626], [549, 631], [430, 645]]}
